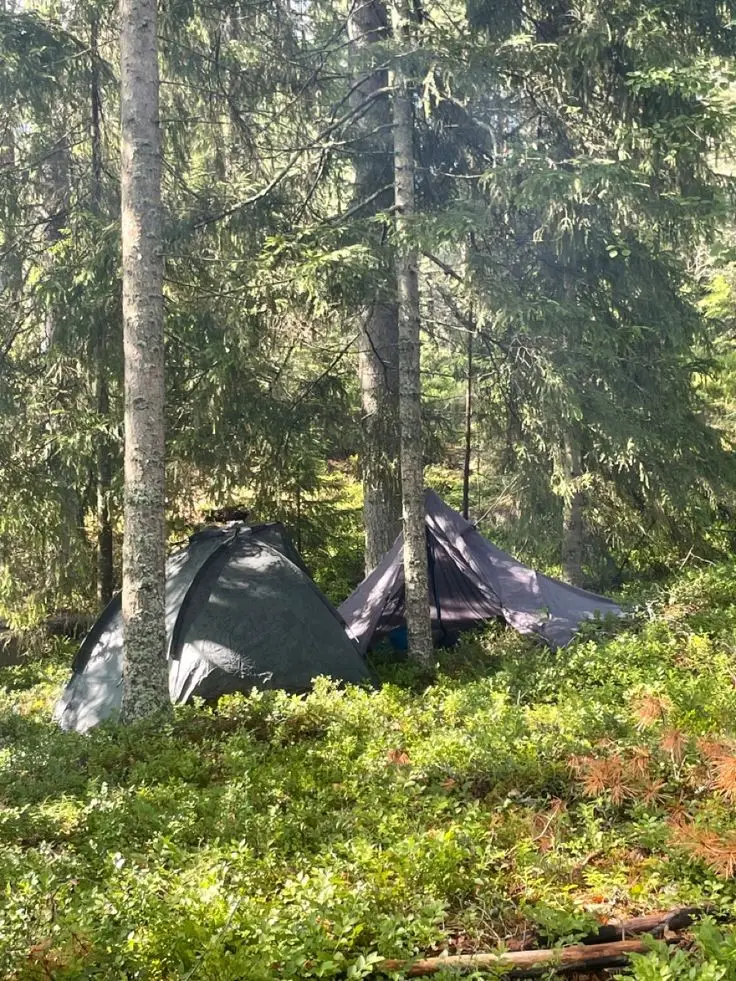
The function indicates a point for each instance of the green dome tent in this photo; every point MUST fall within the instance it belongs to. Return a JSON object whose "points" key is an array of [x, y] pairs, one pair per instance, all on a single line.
{"points": [[241, 611]]}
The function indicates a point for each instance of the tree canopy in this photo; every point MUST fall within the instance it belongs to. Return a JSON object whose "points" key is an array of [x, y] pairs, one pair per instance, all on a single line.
{"points": [[573, 201]]}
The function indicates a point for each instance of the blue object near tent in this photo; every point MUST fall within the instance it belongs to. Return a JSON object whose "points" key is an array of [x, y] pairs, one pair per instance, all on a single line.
{"points": [[399, 638]]}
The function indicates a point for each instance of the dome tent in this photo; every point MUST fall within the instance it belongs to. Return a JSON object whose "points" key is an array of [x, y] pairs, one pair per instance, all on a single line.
{"points": [[241, 611], [470, 581]]}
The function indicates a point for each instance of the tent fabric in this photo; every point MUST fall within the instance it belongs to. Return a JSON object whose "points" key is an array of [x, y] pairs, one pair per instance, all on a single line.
{"points": [[470, 581], [241, 611]]}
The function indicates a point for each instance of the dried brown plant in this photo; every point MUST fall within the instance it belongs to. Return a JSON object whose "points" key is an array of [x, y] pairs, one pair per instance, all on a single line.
{"points": [[650, 710], [674, 742], [716, 850], [722, 759]]}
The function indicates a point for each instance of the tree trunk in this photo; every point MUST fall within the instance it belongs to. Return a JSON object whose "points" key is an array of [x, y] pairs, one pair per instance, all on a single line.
{"points": [[378, 346], [379, 384], [573, 528], [410, 409], [572, 515], [11, 264], [105, 558], [56, 179], [468, 425], [145, 672], [105, 547]]}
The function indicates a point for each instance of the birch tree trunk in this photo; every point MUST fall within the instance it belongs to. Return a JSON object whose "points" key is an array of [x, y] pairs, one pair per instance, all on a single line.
{"points": [[145, 673], [410, 410], [378, 353]]}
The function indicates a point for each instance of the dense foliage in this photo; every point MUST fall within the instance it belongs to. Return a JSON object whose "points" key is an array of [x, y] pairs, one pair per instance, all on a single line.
{"points": [[519, 798], [573, 182]]}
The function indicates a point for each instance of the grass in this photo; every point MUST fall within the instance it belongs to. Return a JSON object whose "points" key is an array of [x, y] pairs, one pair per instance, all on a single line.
{"points": [[519, 799]]}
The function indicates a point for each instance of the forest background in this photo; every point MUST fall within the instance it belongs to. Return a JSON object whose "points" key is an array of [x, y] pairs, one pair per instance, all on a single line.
{"points": [[574, 224]]}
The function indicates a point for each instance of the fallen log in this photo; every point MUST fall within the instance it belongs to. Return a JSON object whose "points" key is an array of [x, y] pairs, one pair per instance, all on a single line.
{"points": [[607, 947], [524, 963], [656, 924]]}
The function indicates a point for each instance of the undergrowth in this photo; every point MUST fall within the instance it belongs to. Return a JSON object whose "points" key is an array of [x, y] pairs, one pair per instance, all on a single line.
{"points": [[519, 799]]}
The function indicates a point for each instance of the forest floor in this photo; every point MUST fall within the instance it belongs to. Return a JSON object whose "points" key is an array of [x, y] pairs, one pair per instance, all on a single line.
{"points": [[517, 801]]}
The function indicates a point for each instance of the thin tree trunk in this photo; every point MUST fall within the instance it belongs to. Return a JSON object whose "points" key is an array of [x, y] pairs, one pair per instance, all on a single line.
{"points": [[11, 265], [378, 355], [573, 528], [572, 516], [56, 173], [379, 383], [105, 545], [145, 673], [468, 425], [105, 557], [410, 409]]}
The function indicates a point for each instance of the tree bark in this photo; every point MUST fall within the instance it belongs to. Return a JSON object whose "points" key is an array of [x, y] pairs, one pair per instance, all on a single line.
{"points": [[105, 556], [378, 355], [56, 174], [572, 515], [573, 506], [410, 409], [145, 671], [11, 264], [468, 425], [379, 383], [105, 544]]}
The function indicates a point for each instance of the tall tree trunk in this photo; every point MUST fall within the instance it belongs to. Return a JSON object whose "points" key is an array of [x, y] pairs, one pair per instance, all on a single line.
{"points": [[56, 179], [105, 557], [11, 264], [378, 355], [572, 516], [145, 673], [410, 409], [379, 383], [468, 425], [105, 546], [573, 525]]}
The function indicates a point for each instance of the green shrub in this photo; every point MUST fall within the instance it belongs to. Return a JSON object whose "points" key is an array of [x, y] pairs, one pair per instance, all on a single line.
{"points": [[519, 796]]}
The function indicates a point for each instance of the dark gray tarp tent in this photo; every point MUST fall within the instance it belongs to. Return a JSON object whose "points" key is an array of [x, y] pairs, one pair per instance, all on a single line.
{"points": [[241, 611], [470, 581]]}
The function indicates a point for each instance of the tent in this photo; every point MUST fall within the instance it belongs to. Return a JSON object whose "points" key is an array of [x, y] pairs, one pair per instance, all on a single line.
{"points": [[470, 581], [241, 611]]}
